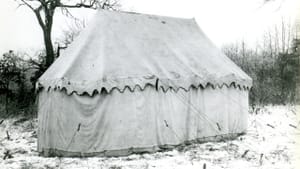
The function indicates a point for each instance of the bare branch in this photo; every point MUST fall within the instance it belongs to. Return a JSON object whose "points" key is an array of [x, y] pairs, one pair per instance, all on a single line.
{"points": [[35, 10], [66, 12], [82, 4], [38, 15], [27, 4], [92, 4]]}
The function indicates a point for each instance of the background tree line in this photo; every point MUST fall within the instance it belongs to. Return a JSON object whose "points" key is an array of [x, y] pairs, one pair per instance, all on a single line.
{"points": [[273, 65]]}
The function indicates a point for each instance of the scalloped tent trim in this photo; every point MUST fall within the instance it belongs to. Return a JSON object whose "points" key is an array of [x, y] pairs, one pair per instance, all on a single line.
{"points": [[164, 84]]}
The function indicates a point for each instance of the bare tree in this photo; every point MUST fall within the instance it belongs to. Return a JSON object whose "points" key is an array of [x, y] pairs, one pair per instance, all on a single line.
{"points": [[70, 34], [44, 11]]}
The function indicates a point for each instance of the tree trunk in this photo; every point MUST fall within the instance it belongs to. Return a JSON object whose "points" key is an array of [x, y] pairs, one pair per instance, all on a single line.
{"points": [[49, 47]]}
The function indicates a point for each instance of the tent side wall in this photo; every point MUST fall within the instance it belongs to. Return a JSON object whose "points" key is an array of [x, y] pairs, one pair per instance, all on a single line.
{"points": [[144, 120]]}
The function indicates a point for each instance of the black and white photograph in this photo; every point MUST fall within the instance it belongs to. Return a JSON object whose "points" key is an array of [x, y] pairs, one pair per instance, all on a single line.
{"points": [[149, 84]]}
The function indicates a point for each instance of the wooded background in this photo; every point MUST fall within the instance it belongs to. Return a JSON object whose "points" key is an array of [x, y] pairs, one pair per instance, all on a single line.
{"points": [[273, 62]]}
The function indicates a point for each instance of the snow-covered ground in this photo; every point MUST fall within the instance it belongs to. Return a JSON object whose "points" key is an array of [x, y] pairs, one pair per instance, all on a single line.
{"points": [[271, 142]]}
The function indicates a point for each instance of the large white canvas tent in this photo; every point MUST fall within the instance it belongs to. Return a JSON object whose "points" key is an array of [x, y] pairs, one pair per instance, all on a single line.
{"points": [[139, 83]]}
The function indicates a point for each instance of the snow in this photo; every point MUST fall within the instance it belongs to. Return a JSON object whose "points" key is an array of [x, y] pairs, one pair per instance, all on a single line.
{"points": [[271, 142]]}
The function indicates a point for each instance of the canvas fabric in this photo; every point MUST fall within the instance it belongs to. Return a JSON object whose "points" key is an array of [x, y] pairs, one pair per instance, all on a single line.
{"points": [[119, 50], [120, 123]]}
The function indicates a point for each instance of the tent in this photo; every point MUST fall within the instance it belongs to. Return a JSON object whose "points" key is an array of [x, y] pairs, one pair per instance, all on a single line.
{"points": [[135, 83]]}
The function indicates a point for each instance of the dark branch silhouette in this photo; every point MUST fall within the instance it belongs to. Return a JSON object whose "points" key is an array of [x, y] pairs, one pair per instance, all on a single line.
{"points": [[44, 11]]}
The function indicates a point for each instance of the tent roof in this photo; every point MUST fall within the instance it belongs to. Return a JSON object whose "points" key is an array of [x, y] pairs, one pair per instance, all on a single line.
{"points": [[119, 50]]}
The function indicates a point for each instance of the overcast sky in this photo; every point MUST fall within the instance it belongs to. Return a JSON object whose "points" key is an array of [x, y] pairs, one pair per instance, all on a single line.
{"points": [[223, 21]]}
